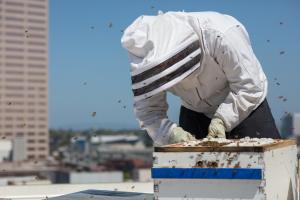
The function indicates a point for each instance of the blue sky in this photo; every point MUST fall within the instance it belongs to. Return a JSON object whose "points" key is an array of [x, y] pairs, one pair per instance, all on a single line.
{"points": [[89, 70]]}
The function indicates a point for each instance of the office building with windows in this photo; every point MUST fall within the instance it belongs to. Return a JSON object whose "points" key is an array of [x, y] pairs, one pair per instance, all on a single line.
{"points": [[24, 77]]}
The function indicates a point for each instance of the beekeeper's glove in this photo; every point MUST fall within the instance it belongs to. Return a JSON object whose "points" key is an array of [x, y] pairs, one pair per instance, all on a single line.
{"points": [[179, 135], [216, 129]]}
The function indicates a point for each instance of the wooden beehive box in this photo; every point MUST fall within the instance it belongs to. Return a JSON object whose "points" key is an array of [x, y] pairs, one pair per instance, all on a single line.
{"points": [[231, 171]]}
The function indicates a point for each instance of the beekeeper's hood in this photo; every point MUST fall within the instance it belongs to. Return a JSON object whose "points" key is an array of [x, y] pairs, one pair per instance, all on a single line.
{"points": [[163, 50]]}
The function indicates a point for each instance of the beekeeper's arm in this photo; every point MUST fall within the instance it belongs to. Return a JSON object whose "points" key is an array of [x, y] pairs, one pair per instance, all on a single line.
{"points": [[151, 114], [246, 79]]}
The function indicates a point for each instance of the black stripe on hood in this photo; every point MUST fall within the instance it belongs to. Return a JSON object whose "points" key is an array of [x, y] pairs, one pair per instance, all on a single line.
{"points": [[158, 83], [166, 64]]}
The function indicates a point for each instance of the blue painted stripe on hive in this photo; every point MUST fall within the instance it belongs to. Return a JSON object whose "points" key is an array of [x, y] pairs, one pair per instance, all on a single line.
{"points": [[207, 173]]}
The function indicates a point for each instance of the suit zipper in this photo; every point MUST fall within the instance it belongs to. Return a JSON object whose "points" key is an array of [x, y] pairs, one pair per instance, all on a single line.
{"points": [[201, 60]]}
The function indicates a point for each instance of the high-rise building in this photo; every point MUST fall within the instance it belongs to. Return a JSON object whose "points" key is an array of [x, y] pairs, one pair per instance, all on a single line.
{"points": [[24, 76]]}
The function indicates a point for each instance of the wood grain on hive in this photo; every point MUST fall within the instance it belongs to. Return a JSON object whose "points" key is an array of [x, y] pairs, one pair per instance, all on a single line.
{"points": [[223, 148]]}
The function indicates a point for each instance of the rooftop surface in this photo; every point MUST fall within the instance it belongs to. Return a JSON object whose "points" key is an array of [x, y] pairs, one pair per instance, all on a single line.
{"points": [[35, 192]]}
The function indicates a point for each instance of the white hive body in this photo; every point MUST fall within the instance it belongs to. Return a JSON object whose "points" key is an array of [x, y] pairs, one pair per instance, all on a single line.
{"points": [[231, 169]]}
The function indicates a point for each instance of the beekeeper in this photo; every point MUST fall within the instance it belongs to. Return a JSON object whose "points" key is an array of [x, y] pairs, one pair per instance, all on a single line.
{"points": [[206, 59]]}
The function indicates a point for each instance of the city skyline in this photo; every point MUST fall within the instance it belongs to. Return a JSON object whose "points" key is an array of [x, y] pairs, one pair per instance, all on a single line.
{"points": [[89, 70]]}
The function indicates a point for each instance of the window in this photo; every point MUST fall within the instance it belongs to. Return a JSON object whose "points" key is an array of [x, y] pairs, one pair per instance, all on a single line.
{"points": [[31, 141], [36, 13], [14, 34], [8, 118], [31, 110], [14, 11], [31, 126], [14, 57], [42, 111], [37, 43], [36, 73], [30, 148], [42, 88], [42, 96], [31, 96], [42, 126], [37, 36], [8, 64], [16, 19], [14, 95], [42, 156], [8, 133], [14, 41], [36, 58], [14, 87], [36, 66], [30, 88], [20, 118], [42, 133], [36, 81], [12, 72], [12, 110], [14, 80], [13, 3], [19, 103], [11, 49], [31, 118], [8, 126], [42, 119], [31, 133], [36, 28], [20, 134], [36, 50], [42, 103], [19, 27], [31, 103], [36, 6], [42, 141], [21, 125], [37, 21]]}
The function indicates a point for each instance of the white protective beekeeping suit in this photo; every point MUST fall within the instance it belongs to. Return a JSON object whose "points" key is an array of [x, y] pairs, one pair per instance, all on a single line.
{"points": [[205, 58]]}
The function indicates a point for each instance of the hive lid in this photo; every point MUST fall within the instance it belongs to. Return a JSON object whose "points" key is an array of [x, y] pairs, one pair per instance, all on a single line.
{"points": [[227, 146]]}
